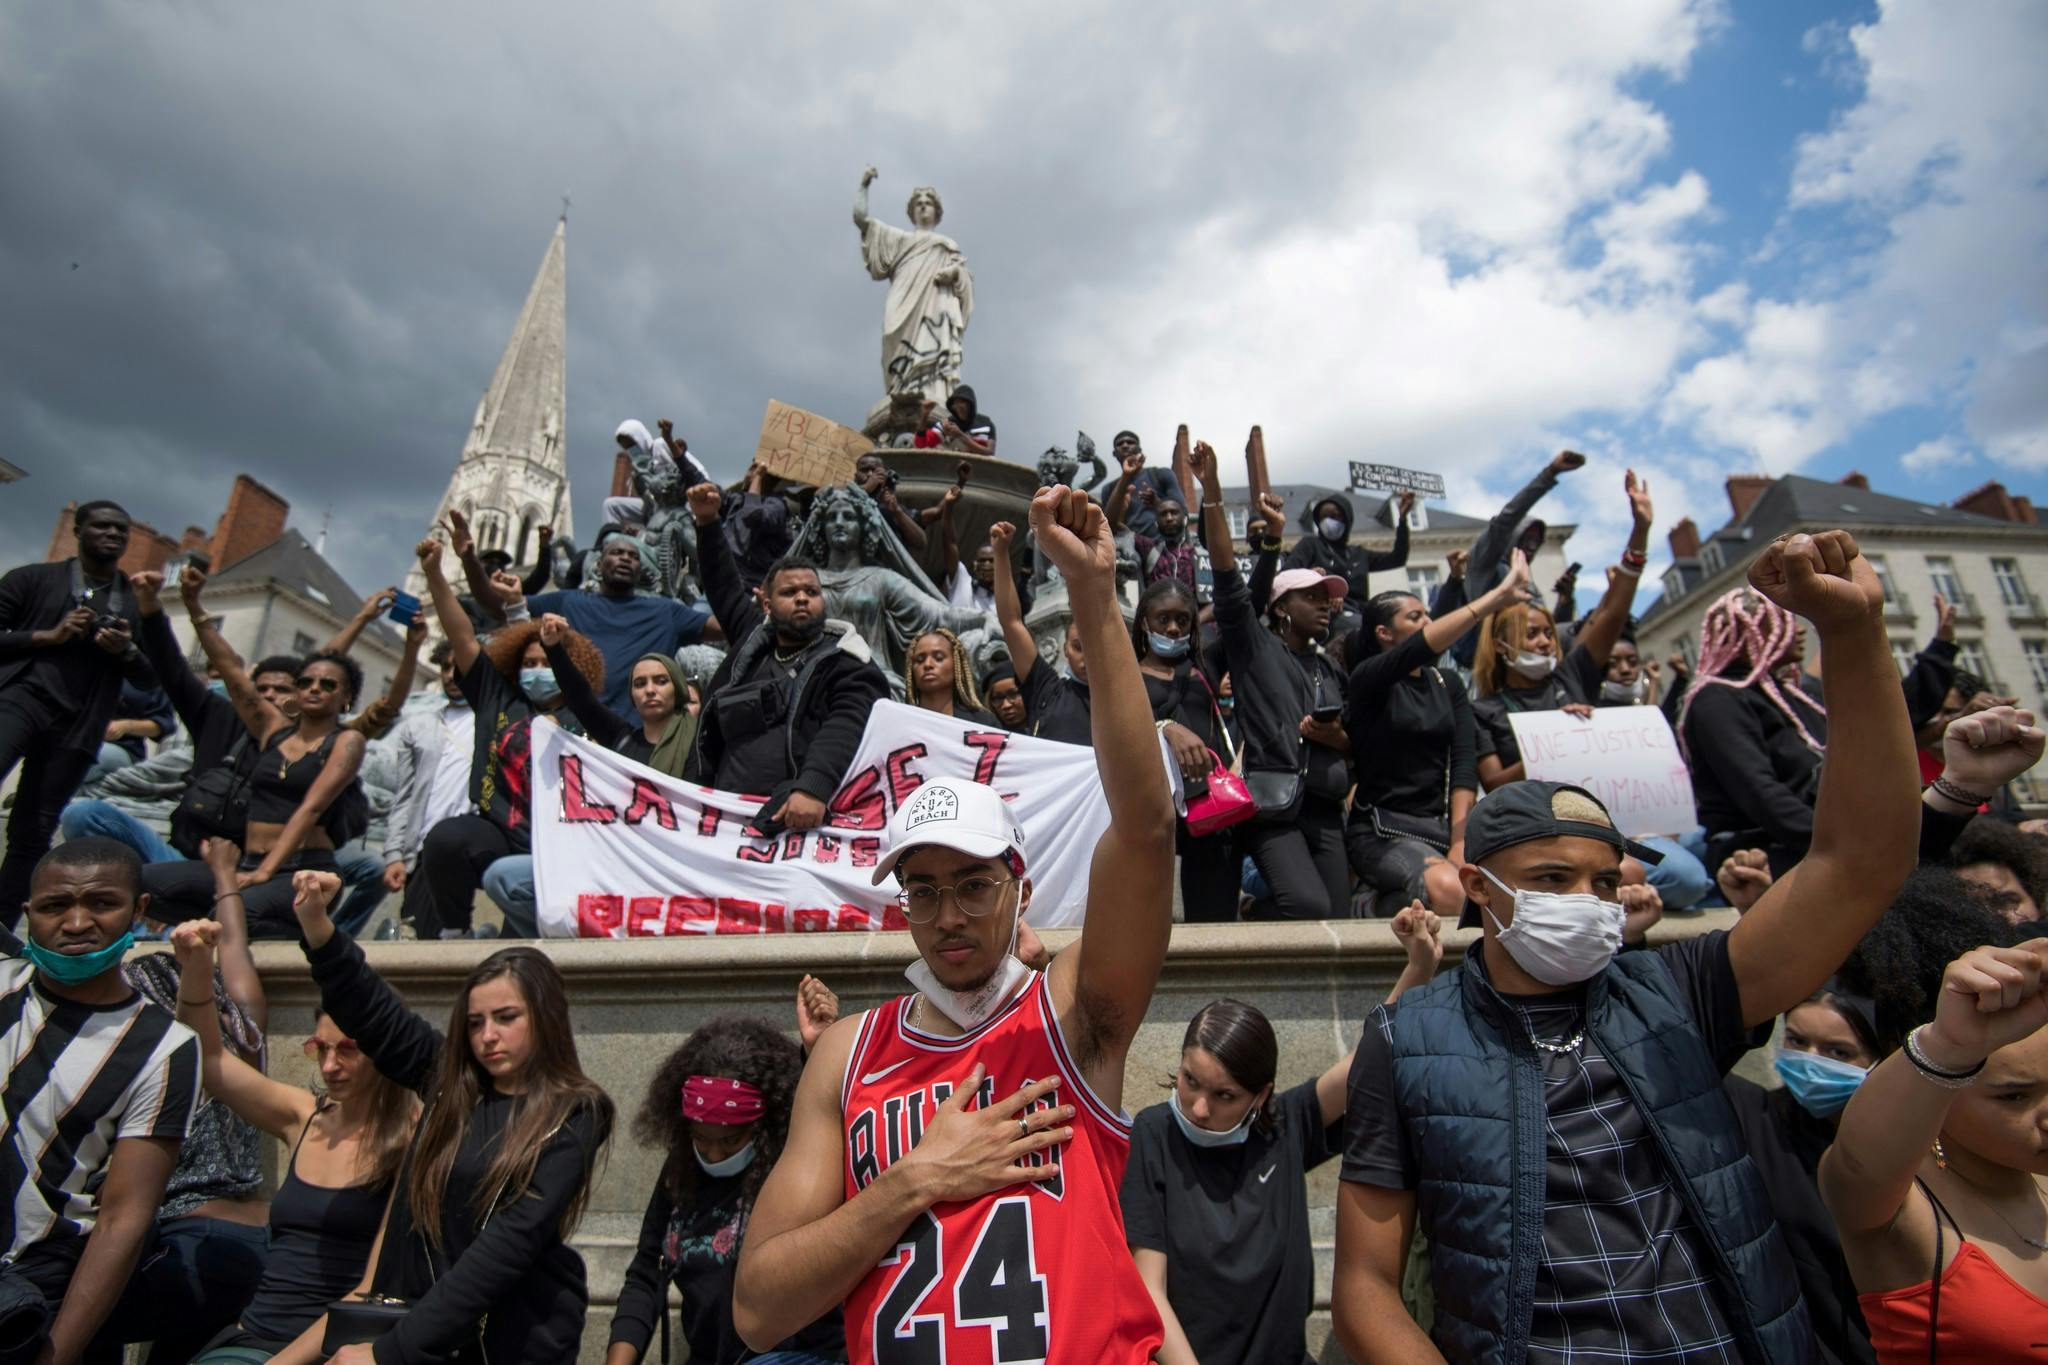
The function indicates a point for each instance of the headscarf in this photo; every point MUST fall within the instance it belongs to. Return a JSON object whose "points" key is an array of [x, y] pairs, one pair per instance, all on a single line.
{"points": [[672, 750]]}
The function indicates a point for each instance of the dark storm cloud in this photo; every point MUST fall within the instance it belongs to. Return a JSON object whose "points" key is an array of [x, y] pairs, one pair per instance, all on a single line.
{"points": [[302, 233]]}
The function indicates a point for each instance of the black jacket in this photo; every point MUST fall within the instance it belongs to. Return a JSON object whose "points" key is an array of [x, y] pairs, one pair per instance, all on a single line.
{"points": [[1353, 563], [37, 597], [1751, 770], [505, 1288], [824, 711], [1273, 687]]}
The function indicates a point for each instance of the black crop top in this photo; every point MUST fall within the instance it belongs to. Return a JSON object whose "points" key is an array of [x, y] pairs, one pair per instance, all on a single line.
{"points": [[278, 788]]}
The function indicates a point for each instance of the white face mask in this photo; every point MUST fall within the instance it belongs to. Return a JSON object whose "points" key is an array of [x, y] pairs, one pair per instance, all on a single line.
{"points": [[1209, 1137], [1534, 665], [1623, 694], [726, 1169], [1331, 527], [971, 1009], [1558, 939]]}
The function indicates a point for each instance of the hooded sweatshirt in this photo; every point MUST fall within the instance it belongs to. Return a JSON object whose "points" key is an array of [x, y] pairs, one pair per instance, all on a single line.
{"points": [[980, 425], [1354, 564]]}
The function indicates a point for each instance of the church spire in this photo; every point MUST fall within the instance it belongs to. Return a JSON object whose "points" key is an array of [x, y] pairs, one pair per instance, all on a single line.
{"points": [[521, 413], [512, 477]]}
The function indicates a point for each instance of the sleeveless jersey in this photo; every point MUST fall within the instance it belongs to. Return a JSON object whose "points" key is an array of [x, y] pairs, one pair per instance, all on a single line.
{"points": [[1039, 1271]]}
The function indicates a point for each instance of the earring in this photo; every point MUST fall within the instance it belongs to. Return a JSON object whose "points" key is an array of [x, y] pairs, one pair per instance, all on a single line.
{"points": [[1940, 1155]]}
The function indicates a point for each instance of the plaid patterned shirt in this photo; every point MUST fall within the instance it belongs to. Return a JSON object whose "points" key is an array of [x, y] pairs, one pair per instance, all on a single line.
{"points": [[1625, 1274]]}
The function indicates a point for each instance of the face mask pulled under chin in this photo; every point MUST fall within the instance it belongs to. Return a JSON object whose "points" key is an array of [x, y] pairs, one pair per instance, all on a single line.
{"points": [[1209, 1137], [970, 1009], [1561, 940], [1166, 646], [1624, 694], [1534, 665], [77, 968], [728, 1168]]}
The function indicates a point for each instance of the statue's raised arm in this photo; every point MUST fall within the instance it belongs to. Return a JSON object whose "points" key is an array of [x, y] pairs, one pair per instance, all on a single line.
{"points": [[931, 294]]}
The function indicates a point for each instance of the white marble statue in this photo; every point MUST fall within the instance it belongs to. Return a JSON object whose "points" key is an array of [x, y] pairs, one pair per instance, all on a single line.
{"points": [[931, 294]]}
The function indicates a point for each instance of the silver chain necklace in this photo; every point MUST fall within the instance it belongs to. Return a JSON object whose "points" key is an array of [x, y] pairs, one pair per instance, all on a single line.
{"points": [[1569, 1045]]}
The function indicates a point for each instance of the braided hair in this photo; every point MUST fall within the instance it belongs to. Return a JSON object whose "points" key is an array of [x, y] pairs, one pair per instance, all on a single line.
{"points": [[965, 693], [1744, 627]]}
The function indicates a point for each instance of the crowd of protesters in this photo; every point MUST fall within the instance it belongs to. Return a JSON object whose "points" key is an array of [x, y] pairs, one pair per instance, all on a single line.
{"points": [[1544, 1137]]}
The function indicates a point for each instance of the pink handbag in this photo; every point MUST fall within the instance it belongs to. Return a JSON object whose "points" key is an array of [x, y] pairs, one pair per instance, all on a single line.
{"points": [[1227, 802]]}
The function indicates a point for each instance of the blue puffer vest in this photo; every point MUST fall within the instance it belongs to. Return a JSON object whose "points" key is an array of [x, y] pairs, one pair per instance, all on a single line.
{"points": [[1479, 1148]]}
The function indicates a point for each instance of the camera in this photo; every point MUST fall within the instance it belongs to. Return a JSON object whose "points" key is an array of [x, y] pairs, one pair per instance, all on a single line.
{"points": [[103, 620], [893, 477]]}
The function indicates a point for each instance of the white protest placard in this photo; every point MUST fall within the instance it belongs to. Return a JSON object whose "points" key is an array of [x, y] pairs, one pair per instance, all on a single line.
{"points": [[806, 448], [623, 851], [1625, 755]]}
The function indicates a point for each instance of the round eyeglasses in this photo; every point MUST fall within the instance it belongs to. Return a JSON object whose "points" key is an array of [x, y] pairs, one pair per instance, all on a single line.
{"points": [[975, 896]]}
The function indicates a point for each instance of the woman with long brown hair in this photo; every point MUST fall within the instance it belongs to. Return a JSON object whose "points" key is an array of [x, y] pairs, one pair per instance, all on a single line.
{"points": [[346, 1141], [501, 1163]]}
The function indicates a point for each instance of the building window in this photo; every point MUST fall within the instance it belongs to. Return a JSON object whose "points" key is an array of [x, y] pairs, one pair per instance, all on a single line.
{"points": [[1942, 570], [1884, 578], [1236, 518], [1674, 584], [1970, 658], [2036, 652], [2012, 589], [303, 644], [1710, 557], [1423, 580], [1903, 654]]}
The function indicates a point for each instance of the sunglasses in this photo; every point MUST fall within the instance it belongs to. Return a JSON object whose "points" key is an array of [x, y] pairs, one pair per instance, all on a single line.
{"points": [[344, 1051], [324, 684]]}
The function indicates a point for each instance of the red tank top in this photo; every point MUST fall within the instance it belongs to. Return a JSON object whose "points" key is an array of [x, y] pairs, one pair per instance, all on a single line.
{"points": [[1032, 1273], [1985, 1317]]}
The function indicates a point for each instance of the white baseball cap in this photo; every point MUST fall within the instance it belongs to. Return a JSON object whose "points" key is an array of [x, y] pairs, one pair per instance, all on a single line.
{"points": [[952, 812]]}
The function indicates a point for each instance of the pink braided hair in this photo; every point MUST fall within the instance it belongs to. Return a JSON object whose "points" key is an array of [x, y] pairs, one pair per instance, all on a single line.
{"points": [[1742, 625]]}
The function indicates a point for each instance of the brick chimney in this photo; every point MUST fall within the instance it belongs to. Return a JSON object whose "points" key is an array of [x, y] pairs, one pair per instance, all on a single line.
{"points": [[147, 547], [1744, 490], [1855, 479], [1991, 500], [622, 476], [1685, 540], [254, 518]]}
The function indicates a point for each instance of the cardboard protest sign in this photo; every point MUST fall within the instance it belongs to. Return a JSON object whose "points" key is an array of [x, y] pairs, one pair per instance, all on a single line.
{"points": [[806, 448], [1625, 755]]}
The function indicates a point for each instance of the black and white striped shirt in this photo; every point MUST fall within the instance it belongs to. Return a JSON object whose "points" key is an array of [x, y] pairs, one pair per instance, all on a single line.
{"points": [[74, 1080]]}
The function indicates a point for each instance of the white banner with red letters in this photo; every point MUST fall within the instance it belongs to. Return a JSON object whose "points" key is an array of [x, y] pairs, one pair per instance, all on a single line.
{"points": [[1625, 755], [622, 851]]}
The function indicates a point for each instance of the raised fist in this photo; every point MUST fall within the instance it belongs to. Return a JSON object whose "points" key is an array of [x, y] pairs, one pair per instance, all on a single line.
{"points": [[1074, 534], [705, 500], [999, 537], [1822, 577], [1989, 997]]}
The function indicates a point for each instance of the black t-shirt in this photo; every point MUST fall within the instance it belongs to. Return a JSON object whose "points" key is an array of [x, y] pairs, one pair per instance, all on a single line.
{"points": [[1618, 1243], [1056, 707], [1411, 736], [1233, 1223], [1185, 698], [697, 1248], [1576, 679]]}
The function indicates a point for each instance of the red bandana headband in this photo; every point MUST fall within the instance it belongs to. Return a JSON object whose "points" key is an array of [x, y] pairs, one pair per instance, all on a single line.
{"points": [[716, 1099]]}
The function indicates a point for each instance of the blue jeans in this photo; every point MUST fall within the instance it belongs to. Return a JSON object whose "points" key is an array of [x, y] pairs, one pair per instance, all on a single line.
{"points": [[509, 882], [195, 1277], [107, 821], [112, 758], [362, 871], [1681, 879]]}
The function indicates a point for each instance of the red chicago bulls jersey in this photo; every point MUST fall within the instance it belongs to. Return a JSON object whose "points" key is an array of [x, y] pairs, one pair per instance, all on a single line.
{"points": [[1036, 1272]]}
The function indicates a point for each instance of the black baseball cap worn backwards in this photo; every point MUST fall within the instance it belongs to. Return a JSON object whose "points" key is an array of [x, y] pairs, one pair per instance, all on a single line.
{"points": [[1523, 812]]}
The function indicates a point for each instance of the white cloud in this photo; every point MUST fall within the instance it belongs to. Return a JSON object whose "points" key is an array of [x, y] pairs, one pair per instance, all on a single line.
{"points": [[1931, 457], [1946, 154]]}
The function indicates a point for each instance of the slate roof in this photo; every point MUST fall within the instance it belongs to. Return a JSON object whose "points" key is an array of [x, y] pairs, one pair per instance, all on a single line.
{"points": [[1370, 512], [299, 568]]}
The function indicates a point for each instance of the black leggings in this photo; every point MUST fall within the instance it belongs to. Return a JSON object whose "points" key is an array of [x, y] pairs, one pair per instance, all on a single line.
{"points": [[184, 890], [1302, 862], [1209, 878], [453, 860]]}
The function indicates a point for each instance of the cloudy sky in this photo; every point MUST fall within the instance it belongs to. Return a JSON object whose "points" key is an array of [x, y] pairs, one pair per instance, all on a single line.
{"points": [[1699, 236]]}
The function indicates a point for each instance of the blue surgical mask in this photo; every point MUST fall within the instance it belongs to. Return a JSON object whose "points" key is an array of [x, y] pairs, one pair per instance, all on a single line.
{"points": [[728, 1168], [1206, 1137], [1820, 1085], [1165, 646], [1331, 527], [539, 685], [218, 687], [76, 968]]}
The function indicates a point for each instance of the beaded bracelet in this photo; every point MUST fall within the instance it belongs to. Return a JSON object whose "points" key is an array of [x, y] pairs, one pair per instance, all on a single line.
{"points": [[1947, 1080]]}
